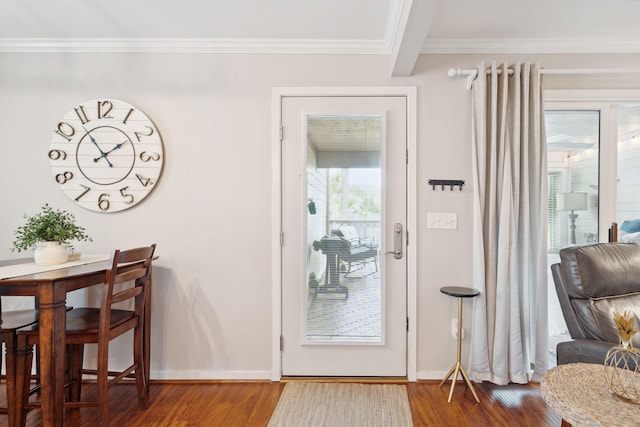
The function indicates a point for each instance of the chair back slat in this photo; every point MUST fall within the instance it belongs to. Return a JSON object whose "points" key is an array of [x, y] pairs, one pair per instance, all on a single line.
{"points": [[126, 294], [137, 254], [130, 275]]}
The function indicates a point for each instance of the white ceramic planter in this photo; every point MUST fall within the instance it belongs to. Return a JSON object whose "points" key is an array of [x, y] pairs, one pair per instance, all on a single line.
{"points": [[50, 253]]}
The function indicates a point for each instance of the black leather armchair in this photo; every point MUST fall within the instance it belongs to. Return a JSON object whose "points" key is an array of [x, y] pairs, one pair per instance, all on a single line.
{"points": [[592, 282]]}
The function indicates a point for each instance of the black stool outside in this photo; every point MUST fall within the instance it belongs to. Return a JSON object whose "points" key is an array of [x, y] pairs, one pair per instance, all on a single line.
{"points": [[460, 293]]}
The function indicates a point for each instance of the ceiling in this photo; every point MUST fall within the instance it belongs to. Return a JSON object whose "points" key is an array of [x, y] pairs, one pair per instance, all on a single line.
{"points": [[401, 29]]}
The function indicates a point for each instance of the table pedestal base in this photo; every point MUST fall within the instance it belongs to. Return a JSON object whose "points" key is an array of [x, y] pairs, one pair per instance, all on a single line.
{"points": [[455, 369]]}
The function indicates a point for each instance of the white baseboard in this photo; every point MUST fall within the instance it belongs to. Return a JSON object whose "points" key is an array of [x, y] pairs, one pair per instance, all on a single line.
{"points": [[431, 375], [210, 375]]}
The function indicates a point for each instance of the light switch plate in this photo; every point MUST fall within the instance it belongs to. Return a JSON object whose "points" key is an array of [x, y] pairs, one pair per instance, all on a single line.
{"points": [[444, 221]]}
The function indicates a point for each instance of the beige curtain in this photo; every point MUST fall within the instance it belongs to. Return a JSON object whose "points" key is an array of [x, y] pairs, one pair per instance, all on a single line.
{"points": [[509, 329]]}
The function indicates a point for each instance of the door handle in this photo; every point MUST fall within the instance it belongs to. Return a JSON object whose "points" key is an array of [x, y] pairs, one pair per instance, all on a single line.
{"points": [[397, 241]]}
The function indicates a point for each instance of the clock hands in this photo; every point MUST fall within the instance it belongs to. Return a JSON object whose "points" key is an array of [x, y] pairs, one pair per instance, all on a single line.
{"points": [[102, 153], [118, 146]]}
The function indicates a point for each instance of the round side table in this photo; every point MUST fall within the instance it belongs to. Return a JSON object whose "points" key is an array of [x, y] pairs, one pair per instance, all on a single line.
{"points": [[460, 293], [579, 393]]}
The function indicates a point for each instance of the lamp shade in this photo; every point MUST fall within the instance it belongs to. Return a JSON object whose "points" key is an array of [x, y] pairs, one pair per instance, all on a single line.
{"points": [[571, 202]]}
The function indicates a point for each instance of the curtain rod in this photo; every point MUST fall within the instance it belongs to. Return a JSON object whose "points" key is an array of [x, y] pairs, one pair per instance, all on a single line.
{"points": [[471, 74]]}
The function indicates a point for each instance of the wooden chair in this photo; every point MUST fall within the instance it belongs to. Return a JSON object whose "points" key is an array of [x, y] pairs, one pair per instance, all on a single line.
{"points": [[10, 322], [100, 326]]}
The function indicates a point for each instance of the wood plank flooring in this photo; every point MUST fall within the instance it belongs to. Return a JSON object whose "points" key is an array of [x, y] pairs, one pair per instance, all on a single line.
{"points": [[242, 404]]}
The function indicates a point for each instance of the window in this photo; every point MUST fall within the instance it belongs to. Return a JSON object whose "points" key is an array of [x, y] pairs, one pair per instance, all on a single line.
{"points": [[573, 141], [593, 142], [628, 171]]}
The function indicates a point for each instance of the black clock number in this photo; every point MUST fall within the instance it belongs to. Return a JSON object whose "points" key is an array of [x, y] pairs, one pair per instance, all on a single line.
{"points": [[82, 115], [143, 180], [104, 108], [103, 202], [86, 190], [65, 130], [127, 196], [63, 178], [57, 155], [124, 121], [145, 157], [139, 134]]}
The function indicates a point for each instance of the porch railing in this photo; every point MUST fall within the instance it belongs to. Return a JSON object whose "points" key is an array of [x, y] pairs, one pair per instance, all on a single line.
{"points": [[367, 230]]}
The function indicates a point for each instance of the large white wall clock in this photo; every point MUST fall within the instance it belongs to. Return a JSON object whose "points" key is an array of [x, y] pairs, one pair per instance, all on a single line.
{"points": [[106, 155]]}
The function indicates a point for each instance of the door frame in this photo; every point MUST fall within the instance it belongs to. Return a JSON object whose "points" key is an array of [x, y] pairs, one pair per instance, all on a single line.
{"points": [[277, 94]]}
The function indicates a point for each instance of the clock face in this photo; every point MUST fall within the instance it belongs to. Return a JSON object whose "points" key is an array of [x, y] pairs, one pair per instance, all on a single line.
{"points": [[106, 155]]}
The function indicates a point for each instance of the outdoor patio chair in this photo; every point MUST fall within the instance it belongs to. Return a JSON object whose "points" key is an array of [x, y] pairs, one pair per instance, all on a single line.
{"points": [[357, 251]]}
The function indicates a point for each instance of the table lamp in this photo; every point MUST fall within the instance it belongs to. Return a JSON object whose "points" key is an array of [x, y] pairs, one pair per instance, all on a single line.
{"points": [[572, 202]]}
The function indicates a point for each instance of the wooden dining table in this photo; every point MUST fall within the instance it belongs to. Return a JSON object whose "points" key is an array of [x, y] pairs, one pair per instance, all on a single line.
{"points": [[50, 289]]}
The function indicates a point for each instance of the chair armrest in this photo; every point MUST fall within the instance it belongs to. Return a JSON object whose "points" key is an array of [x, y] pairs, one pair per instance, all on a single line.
{"points": [[582, 351]]}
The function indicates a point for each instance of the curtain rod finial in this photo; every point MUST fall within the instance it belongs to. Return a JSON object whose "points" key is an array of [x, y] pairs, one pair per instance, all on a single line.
{"points": [[454, 72]]}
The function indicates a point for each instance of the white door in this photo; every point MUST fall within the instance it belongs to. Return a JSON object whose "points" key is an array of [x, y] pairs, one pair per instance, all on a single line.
{"points": [[344, 216]]}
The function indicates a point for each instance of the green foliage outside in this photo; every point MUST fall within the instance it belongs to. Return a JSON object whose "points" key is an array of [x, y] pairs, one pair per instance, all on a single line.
{"points": [[360, 204]]}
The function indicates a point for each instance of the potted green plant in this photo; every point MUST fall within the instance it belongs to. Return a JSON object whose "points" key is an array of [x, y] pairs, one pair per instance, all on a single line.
{"points": [[50, 232]]}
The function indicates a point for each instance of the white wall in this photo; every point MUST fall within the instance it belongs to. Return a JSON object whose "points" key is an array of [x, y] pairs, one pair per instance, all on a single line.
{"points": [[210, 214]]}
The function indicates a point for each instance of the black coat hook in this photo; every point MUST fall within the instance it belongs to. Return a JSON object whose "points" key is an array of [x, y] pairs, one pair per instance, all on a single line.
{"points": [[450, 182]]}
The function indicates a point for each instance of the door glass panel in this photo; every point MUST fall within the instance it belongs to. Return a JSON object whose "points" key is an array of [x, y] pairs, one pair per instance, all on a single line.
{"points": [[573, 171], [344, 197], [573, 150], [628, 209]]}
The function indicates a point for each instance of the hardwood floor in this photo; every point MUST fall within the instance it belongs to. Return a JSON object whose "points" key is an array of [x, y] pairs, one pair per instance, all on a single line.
{"points": [[511, 405], [243, 404]]}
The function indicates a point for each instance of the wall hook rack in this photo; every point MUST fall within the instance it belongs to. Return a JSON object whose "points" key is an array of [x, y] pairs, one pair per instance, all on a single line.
{"points": [[446, 182]]}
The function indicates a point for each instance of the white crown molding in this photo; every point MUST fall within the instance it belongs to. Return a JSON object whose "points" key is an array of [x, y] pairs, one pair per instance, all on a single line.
{"points": [[302, 46], [472, 46], [44, 45]]}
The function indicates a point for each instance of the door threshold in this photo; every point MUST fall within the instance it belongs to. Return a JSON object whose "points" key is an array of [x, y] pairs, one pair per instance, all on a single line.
{"points": [[372, 380]]}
